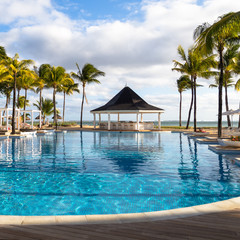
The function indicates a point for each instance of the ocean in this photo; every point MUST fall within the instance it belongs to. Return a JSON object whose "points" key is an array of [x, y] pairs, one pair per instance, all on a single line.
{"points": [[176, 123]]}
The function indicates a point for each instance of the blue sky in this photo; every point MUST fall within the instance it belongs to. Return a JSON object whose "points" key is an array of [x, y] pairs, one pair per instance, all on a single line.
{"points": [[98, 9], [133, 42]]}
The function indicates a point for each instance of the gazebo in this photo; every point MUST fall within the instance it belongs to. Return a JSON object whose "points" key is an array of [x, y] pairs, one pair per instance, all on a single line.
{"points": [[127, 102], [5, 115]]}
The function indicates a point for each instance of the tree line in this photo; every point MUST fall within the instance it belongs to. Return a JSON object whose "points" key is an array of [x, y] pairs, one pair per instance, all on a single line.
{"points": [[215, 53], [17, 75]]}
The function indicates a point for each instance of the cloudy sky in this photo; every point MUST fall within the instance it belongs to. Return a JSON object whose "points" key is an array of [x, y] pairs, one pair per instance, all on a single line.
{"points": [[132, 41]]}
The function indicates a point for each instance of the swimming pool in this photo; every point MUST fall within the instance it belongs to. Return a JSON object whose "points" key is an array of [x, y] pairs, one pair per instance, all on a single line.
{"points": [[83, 173]]}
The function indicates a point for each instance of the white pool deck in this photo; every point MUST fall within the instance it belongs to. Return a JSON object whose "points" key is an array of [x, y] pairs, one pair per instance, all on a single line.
{"points": [[216, 207]]}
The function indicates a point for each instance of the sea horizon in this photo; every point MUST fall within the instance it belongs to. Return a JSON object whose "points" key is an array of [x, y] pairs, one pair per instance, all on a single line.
{"points": [[166, 123]]}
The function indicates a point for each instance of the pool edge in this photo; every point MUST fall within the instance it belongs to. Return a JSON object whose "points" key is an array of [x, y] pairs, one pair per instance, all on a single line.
{"points": [[215, 207]]}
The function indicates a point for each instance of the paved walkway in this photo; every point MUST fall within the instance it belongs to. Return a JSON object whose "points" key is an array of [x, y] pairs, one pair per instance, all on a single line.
{"points": [[217, 226]]}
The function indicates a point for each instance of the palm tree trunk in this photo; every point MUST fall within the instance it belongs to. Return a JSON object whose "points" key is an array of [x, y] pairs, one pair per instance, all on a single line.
{"points": [[81, 116], [54, 107], [18, 96], [180, 110], [226, 103], [40, 100], [195, 105], [6, 105], [190, 108], [220, 50], [239, 117], [64, 96], [14, 104], [24, 108]]}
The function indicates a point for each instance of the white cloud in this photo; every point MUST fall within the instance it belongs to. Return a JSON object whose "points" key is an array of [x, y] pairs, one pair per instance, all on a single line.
{"points": [[135, 52]]}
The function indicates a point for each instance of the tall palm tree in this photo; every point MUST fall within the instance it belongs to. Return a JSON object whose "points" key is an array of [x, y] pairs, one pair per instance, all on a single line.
{"points": [[183, 83], [46, 108], [6, 88], [215, 37], [40, 81], [15, 68], [236, 69], [68, 88], [5, 79], [55, 78], [87, 75], [28, 82], [195, 65], [228, 61], [6, 84]]}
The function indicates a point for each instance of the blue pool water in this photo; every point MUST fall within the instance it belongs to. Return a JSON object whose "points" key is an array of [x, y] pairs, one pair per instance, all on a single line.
{"points": [[78, 173]]}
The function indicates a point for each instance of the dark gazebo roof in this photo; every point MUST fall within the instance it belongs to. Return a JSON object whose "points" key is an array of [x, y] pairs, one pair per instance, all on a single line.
{"points": [[127, 100]]}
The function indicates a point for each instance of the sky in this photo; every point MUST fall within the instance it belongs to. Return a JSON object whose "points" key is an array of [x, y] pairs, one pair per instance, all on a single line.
{"points": [[133, 42]]}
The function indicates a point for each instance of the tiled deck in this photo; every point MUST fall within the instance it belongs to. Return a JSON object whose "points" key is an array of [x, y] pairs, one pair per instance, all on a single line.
{"points": [[218, 226]]}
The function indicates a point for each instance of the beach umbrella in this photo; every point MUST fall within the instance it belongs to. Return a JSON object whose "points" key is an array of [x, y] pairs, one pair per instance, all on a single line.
{"points": [[229, 112], [58, 117], [236, 112], [232, 112], [37, 117]]}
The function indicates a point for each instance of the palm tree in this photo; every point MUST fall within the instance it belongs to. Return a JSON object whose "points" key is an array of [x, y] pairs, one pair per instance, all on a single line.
{"points": [[23, 102], [5, 79], [28, 82], [195, 65], [215, 37], [6, 89], [68, 88], [87, 75], [183, 83], [55, 78], [5, 83], [46, 109], [16, 68], [3, 54], [236, 70], [40, 82], [228, 60]]}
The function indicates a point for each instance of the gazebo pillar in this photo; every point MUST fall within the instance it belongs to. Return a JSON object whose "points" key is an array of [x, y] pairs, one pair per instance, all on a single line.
{"points": [[141, 117], [99, 117], [94, 120], [137, 122], [109, 122], [159, 121]]}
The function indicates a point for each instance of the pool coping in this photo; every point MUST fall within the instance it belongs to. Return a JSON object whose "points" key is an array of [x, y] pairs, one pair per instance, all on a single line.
{"points": [[215, 207]]}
